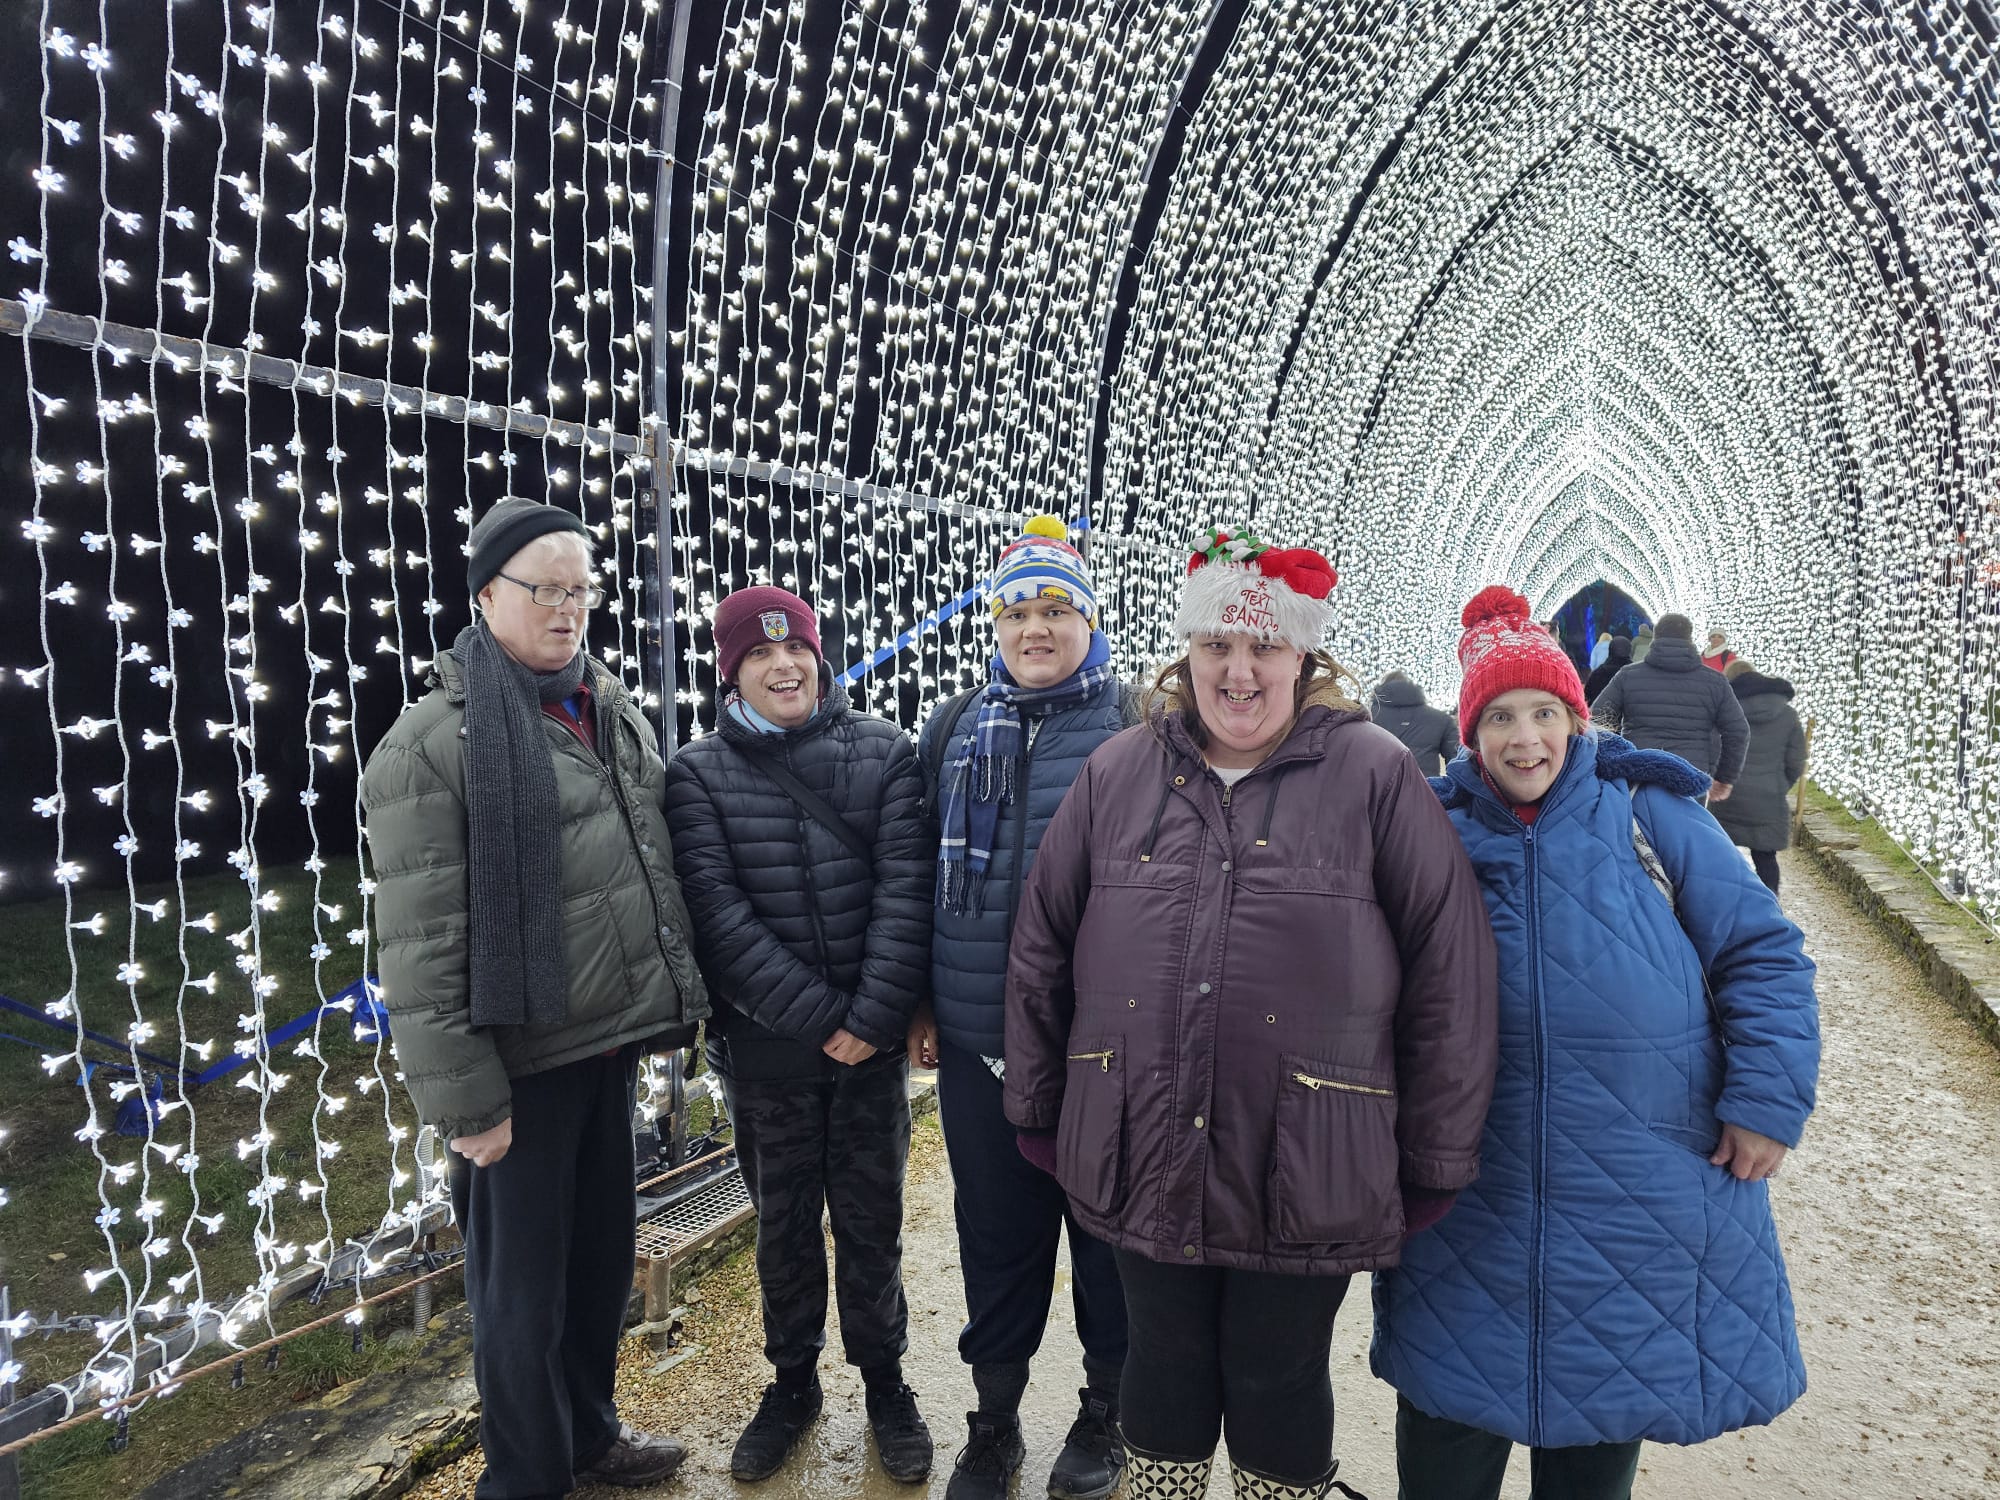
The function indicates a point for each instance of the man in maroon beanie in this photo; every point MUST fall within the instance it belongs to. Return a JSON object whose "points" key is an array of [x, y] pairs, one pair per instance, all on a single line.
{"points": [[800, 837]]}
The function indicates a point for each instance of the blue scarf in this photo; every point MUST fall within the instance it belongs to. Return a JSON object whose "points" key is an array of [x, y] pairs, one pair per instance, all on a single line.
{"points": [[985, 777]]}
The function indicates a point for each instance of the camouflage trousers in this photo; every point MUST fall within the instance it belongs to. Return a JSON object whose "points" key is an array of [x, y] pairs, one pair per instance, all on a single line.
{"points": [[839, 1143]]}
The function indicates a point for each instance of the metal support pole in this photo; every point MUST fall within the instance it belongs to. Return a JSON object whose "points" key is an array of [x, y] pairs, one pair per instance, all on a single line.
{"points": [[10, 1465]]}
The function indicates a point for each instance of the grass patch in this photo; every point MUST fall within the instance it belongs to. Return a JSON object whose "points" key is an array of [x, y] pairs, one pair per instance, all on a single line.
{"points": [[1872, 838], [337, 1091]]}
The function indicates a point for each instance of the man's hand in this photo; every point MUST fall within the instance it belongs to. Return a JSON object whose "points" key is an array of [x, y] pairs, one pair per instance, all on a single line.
{"points": [[1719, 791], [845, 1047], [1752, 1157], [923, 1041], [488, 1146]]}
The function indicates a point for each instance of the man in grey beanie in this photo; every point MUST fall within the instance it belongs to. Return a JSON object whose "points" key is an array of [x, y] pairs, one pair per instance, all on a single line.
{"points": [[532, 944], [1670, 701]]}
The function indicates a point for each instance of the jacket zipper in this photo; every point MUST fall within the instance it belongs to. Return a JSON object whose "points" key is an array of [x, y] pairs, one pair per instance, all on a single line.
{"points": [[812, 885], [1020, 830], [1316, 1084], [1102, 1059], [1540, 1165]]}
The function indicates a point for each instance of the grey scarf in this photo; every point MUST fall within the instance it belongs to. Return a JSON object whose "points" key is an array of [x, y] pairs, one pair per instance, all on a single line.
{"points": [[513, 835]]}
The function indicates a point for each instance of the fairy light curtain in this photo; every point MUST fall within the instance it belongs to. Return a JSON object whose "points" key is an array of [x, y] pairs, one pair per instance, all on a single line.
{"points": [[296, 289]]}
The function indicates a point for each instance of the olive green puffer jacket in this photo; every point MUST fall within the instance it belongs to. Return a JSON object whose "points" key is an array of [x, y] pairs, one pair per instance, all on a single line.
{"points": [[632, 976]]}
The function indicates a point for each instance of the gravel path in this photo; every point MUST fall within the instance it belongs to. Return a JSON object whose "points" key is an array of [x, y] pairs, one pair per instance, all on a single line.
{"points": [[1891, 1219]]}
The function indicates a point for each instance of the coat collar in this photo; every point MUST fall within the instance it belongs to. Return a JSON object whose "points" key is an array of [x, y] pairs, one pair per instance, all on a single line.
{"points": [[1600, 757], [1307, 740], [447, 676]]}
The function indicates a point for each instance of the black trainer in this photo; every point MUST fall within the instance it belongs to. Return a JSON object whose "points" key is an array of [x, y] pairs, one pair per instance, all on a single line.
{"points": [[991, 1457], [1093, 1455], [783, 1414], [902, 1441]]}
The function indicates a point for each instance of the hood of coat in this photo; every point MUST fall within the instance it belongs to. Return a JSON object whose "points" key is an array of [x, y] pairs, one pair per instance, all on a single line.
{"points": [[1645, 635], [1605, 755], [1750, 685], [833, 708], [1671, 654], [1621, 649], [1403, 694]]}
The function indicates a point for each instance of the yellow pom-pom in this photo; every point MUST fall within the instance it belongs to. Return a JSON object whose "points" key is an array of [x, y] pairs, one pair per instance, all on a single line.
{"points": [[1051, 526]]}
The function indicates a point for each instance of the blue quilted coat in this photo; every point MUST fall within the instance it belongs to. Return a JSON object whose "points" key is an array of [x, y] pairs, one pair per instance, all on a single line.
{"points": [[1601, 1282]]}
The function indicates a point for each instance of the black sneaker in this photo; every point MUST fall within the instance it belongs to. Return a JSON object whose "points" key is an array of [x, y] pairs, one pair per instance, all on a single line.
{"points": [[902, 1441], [783, 1414], [1093, 1455], [990, 1459]]}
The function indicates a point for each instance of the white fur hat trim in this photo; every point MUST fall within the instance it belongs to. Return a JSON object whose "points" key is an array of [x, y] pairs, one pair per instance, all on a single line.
{"points": [[1235, 598]]}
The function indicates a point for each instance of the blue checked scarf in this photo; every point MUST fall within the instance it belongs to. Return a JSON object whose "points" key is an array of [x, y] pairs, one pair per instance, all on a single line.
{"points": [[986, 775]]}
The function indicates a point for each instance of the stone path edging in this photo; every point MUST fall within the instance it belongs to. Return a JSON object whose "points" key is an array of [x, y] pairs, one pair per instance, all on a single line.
{"points": [[1961, 963]]}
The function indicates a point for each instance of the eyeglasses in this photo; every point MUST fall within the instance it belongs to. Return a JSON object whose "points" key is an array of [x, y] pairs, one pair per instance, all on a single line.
{"points": [[555, 596]]}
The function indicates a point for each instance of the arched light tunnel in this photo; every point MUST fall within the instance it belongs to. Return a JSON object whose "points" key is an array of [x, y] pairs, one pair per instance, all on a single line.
{"points": [[1694, 298]]}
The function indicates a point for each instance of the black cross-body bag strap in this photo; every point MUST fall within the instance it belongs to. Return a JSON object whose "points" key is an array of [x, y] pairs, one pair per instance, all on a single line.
{"points": [[819, 810]]}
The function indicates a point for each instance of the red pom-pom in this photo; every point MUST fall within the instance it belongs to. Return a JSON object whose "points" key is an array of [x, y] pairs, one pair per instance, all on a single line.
{"points": [[1302, 569], [1497, 602]]}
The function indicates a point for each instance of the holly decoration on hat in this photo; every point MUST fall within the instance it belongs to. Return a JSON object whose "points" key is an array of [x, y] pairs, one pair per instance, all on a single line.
{"points": [[1298, 568]]}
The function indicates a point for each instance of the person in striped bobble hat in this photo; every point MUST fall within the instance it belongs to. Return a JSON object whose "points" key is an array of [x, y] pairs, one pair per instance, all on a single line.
{"points": [[999, 759]]}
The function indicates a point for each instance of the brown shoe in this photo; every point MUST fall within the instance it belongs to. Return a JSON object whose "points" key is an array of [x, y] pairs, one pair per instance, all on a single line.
{"points": [[634, 1459]]}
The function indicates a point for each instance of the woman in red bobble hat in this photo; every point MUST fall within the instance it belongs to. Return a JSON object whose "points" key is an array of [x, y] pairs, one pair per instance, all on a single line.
{"points": [[1614, 1274], [1250, 1023]]}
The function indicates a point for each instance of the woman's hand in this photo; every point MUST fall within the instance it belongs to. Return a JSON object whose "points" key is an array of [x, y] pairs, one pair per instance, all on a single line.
{"points": [[845, 1047], [1752, 1157], [923, 1041], [488, 1146]]}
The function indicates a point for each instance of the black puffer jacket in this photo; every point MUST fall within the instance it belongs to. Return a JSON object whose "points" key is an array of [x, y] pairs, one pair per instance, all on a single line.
{"points": [[1670, 701], [1430, 734], [1755, 815], [795, 935], [1617, 661]]}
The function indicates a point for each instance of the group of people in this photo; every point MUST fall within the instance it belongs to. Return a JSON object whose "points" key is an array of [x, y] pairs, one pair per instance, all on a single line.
{"points": [[1219, 989], [1731, 722]]}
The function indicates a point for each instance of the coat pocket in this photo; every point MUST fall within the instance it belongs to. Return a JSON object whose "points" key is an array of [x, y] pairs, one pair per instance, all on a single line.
{"points": [[1090, 1138], [1333, 1156]]}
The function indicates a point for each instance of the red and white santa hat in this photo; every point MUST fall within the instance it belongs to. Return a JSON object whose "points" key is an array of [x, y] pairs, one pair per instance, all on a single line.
{"points": [[1239, 584], [1504, 649]]}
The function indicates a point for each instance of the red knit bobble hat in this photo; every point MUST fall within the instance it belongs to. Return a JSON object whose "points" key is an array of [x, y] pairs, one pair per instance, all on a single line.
{"points": [[1504, 649]]}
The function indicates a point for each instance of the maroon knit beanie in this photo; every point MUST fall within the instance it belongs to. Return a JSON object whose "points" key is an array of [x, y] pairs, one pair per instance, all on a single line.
{"points": [[1501, 650], [752, 616]]}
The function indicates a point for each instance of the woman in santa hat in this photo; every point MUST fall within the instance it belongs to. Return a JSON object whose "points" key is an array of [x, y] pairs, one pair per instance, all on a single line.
{"points": [[1250, 1022], [1614, 1274]]}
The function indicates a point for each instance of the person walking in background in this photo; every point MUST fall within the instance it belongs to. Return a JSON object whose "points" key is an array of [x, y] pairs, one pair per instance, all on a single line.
{"points": [[1668, 702], [1600, 652], [1642, 643], [533, 943], [1614, 1276], [1716, 654], [1430, 734], [1616, 659], [1756, 816], [1250, 1023], [999, 759], [800, 836]]}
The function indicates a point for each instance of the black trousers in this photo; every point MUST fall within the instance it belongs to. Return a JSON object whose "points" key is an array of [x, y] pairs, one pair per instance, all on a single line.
{"points": [[837, 1141], [1766, 863], [1239, 1354], [548, 1273], [1011, 1216], [1438, 1459]]}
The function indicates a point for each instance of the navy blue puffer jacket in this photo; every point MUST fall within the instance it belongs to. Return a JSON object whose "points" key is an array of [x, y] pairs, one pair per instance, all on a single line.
{"points": [[969, 949], [795, 935]]}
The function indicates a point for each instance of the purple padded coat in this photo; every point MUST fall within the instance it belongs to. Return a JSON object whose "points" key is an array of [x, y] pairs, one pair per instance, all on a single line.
{"points": [[1250, 1010]]}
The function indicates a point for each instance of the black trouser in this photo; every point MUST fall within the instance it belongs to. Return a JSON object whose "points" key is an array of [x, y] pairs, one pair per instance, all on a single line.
{"points": [[1011, 1216], [839, 1141], [1441, 1460], [548, 1272], [1766, 863], [1242, 1354]]}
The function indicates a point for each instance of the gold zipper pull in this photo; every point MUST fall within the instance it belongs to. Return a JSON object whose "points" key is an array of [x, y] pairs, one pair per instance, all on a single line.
{"points": [[1308, 1080], [1102, 1059]]}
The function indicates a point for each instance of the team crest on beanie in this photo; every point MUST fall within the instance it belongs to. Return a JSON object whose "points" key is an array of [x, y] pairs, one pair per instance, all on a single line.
{"points": [[1240, 584], [777, 625]]}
